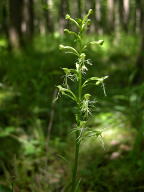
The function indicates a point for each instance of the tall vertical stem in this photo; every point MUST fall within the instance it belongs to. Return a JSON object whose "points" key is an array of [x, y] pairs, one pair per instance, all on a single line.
{"points": [[74, 177], [77, 143]]}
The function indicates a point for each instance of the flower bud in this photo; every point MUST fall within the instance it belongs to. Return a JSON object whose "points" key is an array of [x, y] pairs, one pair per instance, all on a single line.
{"points": [[90, 12], [61, 47], [67, 16], [82, 56]]}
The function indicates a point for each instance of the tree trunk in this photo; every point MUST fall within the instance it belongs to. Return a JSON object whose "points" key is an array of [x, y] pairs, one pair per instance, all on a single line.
{"points": [[94, 21], [133, 17], [117, 23], [48, 16], [142, 17], [103, 11], [63, 10], [15, 18], [121, 14], [110, 15], [27, 20], [139, 77], [126, 4], [3, 20], [98, 16]]}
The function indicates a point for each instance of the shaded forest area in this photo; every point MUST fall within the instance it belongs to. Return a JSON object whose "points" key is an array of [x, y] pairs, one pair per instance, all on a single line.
{"points": [[36, 140]]}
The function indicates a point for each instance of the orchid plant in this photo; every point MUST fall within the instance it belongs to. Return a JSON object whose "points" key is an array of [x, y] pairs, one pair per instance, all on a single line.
{"points": [[80, 97]]}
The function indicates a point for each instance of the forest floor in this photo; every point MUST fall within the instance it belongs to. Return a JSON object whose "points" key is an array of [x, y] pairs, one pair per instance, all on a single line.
{"points": [[29, 161]]}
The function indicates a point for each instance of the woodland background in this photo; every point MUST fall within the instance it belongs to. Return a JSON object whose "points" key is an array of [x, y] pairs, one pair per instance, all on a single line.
{"points": [[36, 144]]}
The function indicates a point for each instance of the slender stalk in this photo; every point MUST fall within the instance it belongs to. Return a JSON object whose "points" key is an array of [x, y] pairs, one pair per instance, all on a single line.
{"points": [[75, 168], [77, 143]]}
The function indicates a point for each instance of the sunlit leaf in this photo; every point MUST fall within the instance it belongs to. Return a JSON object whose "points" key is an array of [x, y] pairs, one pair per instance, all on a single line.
{"points": [[99, 42], [69, 49], [67, 92]]}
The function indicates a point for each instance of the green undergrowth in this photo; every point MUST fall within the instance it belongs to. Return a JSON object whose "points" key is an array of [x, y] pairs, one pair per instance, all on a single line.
{"points": [[27, 83]]}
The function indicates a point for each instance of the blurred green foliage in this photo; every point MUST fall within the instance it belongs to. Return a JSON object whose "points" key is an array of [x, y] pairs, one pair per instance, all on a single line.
{"points": [[32, 161]]}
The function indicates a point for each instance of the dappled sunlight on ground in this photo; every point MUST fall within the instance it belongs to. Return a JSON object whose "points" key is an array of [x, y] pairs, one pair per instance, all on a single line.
{"points": [[115, 131], [105, 160]]}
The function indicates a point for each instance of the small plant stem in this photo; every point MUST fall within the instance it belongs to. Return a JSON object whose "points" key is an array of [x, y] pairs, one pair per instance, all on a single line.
{"points": [[80, 87], [74, 177], [77, 142]]}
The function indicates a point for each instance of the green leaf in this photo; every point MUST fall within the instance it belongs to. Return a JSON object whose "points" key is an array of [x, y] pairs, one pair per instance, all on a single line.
{"points": [[70, 32], [67, 92], [100, 80], [69, 49], [97, 79], [68, 71], [88, 14], [93, 133], [68, 17], [99, 42], [90, 79]]}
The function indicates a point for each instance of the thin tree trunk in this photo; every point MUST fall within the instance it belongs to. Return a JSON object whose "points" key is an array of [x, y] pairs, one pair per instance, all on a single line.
{"points": [[142, 17], [98, 16], [110, 15], [133, 17], [139, 77], [28, 20], [15, 18], [63, 10], [117, 23], [94, 23], [126, 4], [4, 18], [121, 14], [103, 10], [48, 16]]}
